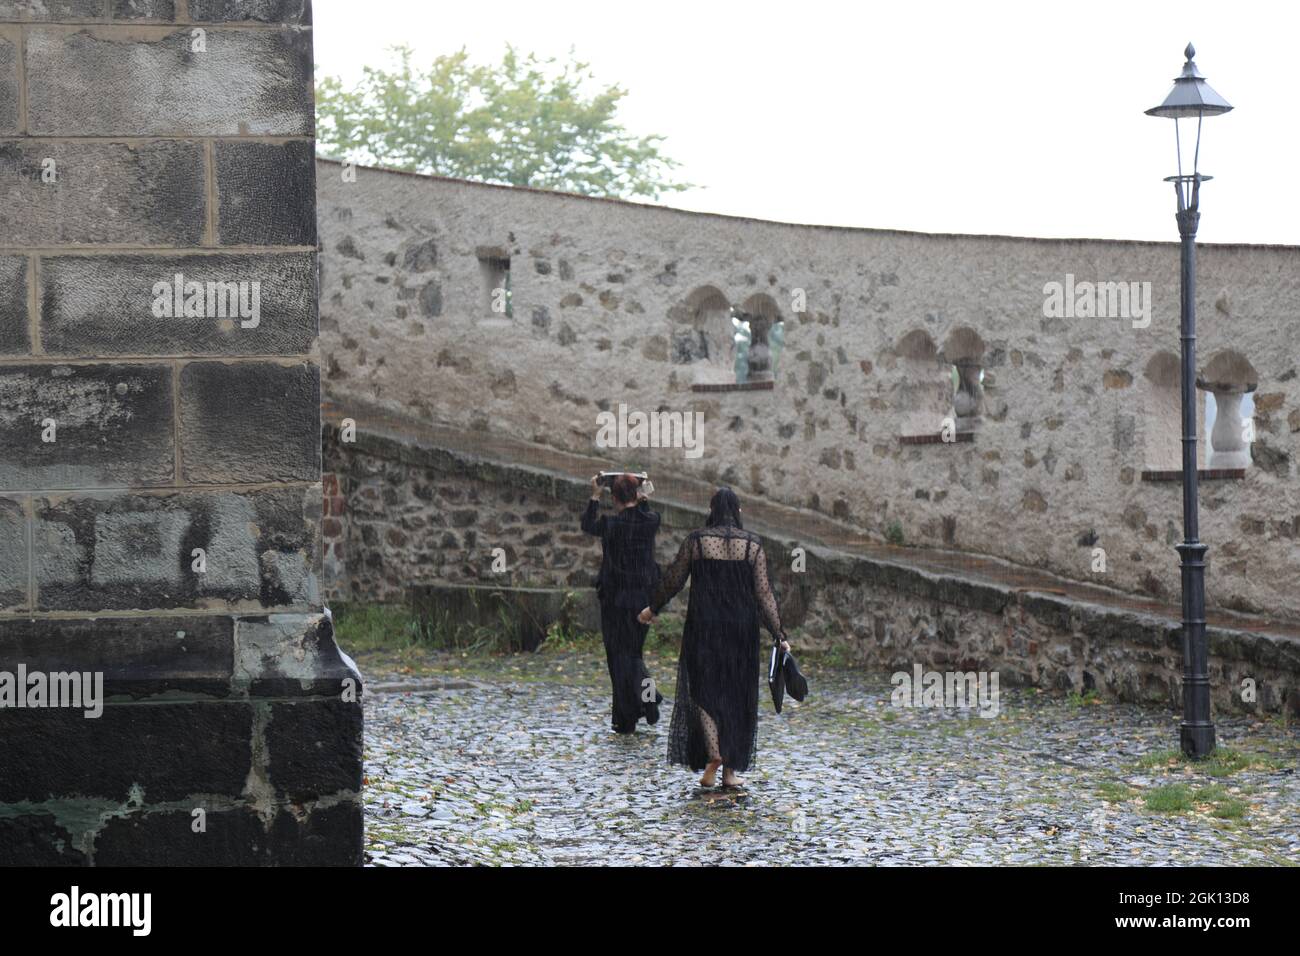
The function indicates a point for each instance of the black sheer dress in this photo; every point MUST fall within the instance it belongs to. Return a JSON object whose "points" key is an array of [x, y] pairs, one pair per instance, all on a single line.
{"points": [[716, 708]]}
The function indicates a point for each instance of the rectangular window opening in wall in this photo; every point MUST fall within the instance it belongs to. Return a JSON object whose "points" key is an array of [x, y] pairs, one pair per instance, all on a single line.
{"points": [[961, 409], [1226, 423], [494, 266]]}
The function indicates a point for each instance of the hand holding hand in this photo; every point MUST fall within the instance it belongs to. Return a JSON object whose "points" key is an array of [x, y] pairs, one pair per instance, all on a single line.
{"points": [[646, 616]]}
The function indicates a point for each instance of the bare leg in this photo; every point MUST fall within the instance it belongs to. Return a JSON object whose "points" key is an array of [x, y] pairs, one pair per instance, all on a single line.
{"points": [[729, 779], [710, 730]]}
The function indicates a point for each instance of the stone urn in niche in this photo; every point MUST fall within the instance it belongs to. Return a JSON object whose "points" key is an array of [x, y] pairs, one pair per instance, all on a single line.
{"points": [[968, 394], [1230, 437], [760, 355], [1229, 376]]}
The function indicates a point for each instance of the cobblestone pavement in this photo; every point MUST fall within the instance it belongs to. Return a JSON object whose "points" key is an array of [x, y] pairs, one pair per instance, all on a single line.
{"points": [[510, 760]]}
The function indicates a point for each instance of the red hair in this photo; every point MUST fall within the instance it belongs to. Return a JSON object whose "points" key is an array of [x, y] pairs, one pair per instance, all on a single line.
{"points": [[625, 488]]}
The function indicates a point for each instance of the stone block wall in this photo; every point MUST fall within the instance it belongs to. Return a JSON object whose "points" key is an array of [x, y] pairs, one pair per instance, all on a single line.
{"points": [[409, 516], [160, 495]]}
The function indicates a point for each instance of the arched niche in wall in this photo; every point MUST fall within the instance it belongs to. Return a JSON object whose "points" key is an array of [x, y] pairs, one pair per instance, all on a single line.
{"points": [[1161, 413], [963, 350], [767, 335], [1228, 379], [704, 339], [923, 391]]}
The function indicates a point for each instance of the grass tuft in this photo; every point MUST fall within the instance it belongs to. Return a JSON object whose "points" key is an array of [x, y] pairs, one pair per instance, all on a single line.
{"points": [[369, 627], [1171, 798], [1113, 791]]}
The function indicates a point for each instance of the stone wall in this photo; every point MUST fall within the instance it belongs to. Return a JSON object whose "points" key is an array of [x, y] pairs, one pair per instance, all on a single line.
{"points": [[417, 517], [160, 484], [1062, 442], [410, 516]]}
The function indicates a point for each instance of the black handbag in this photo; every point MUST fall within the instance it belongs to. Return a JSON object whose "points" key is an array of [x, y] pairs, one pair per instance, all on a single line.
{"points": [[783, 676]]}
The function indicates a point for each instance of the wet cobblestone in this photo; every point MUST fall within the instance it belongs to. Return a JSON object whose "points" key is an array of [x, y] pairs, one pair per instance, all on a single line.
{"points": [[510, 760]]}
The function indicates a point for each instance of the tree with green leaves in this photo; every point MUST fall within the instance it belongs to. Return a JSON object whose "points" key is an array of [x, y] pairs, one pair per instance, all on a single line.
{"points": [[524, 122]]}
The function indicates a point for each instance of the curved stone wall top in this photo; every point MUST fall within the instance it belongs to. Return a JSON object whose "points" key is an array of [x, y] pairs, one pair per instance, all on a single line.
{"points": [[980, 393]]}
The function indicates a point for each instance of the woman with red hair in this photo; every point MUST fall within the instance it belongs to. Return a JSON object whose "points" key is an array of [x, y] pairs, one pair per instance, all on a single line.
{"points": [[628, 575]]}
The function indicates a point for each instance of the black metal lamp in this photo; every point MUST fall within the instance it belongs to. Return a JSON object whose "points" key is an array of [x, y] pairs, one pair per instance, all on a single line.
{"points": [[1191, 98]]}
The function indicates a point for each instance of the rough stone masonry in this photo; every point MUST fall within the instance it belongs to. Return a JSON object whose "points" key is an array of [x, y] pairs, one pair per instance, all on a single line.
{"points": [[1071, 425], [160, 489], [1063, 467]]}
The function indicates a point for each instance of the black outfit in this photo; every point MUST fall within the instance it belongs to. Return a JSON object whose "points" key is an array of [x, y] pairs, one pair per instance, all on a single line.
{"points": [[628, 575], [716, 708]]}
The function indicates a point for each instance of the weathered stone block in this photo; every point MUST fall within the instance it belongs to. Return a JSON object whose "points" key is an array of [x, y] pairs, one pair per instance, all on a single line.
{"points": [[293, 655], [138, 656], [314, 748], [117, 552], [153, 82], [123, 194], [266, 193], [250, 421], [235, 760], [1051, 610], [35, 10], [329, 835], [13, 555], [10, 44], [80, 426], [133, 751], [261, 11], [230, 837], [129, 305], [144, 9], [38, 839], [15, 338]]}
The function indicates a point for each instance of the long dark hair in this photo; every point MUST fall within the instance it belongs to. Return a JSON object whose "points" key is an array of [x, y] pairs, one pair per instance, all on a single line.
{"points": [[724, 509]]}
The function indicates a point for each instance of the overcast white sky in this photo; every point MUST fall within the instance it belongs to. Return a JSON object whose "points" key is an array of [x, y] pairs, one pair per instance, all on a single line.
{"points": [[1004, 117]]}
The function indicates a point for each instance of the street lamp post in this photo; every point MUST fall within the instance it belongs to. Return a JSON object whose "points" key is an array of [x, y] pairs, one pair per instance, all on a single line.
{"points": [[1191, 98]]}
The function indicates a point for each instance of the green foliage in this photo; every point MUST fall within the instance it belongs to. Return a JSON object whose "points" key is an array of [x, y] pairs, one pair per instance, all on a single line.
{"points": [[524, 122], [1214, 799], [1229, 808], [837, 654], [371, 627], [1171, 798], [443, 631], [1159, 758], [562, 638], [894, 533], [364, 627], [1224, 762]]}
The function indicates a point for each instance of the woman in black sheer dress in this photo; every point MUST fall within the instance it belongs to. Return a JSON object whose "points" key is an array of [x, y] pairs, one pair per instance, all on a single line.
{"points": [[715, 715]]}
